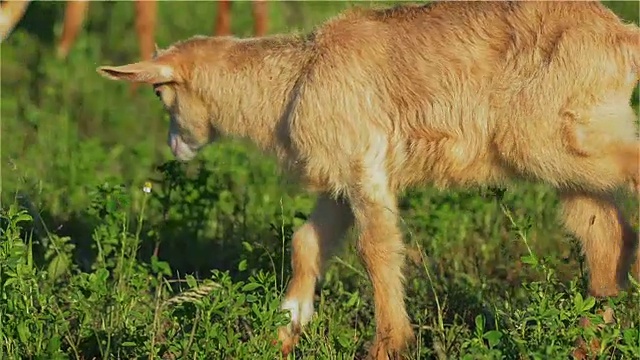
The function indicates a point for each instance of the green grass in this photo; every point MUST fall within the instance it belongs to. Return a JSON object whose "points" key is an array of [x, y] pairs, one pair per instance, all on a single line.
{"points": [[91, 266]]}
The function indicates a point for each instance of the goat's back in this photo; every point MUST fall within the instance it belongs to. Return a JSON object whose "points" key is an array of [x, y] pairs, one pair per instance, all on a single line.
{"points": [[459, 91]]}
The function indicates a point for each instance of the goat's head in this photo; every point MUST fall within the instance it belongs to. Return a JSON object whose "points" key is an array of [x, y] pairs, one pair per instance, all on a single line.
{"points": [[191, 126]]}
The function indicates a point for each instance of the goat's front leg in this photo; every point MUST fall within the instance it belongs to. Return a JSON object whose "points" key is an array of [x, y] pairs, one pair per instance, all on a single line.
{"points": [[312, 245], [382, 251]]}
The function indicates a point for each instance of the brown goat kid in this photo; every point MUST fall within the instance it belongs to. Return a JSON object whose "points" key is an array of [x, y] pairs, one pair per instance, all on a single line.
{"points": [[450, 94]]}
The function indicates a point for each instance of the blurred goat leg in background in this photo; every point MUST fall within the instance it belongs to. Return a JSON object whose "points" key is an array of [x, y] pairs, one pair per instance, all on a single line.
{"points": [[259, 8], [223, 19], [294, 14], [74, 14], [146, 13], [10, 14]]}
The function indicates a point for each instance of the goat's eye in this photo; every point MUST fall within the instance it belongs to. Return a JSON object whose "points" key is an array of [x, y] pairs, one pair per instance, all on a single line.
{"points": [[157, 92]]}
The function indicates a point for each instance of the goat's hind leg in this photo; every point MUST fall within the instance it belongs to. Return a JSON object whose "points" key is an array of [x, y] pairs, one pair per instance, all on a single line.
{"points": [[631, 164], [603, 155], [609, 242], [629, 158]]}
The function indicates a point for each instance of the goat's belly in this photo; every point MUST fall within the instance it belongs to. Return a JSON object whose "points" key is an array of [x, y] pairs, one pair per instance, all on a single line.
{"points": [[448, 164]]}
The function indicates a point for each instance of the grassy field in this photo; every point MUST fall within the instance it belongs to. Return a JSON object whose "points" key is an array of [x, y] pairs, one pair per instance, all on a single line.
{"points": [[92, 266]]}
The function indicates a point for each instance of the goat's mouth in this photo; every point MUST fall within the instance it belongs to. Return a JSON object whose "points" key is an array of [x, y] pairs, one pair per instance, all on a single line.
{"points": [[180, 149]]}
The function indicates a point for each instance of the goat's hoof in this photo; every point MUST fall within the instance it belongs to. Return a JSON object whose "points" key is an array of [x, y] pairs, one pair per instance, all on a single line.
{"points": [[288, 336]]}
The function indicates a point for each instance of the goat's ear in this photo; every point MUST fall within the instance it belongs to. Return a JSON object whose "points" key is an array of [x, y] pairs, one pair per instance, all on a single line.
{"points": [[141, 72]]}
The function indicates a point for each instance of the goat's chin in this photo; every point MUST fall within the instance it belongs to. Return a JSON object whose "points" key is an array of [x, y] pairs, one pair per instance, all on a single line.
{"points": [[184, 153], [180, 149], [185, 156]]}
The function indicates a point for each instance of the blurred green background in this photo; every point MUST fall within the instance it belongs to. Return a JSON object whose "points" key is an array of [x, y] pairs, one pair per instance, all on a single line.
{"points": [[66, 132]]}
